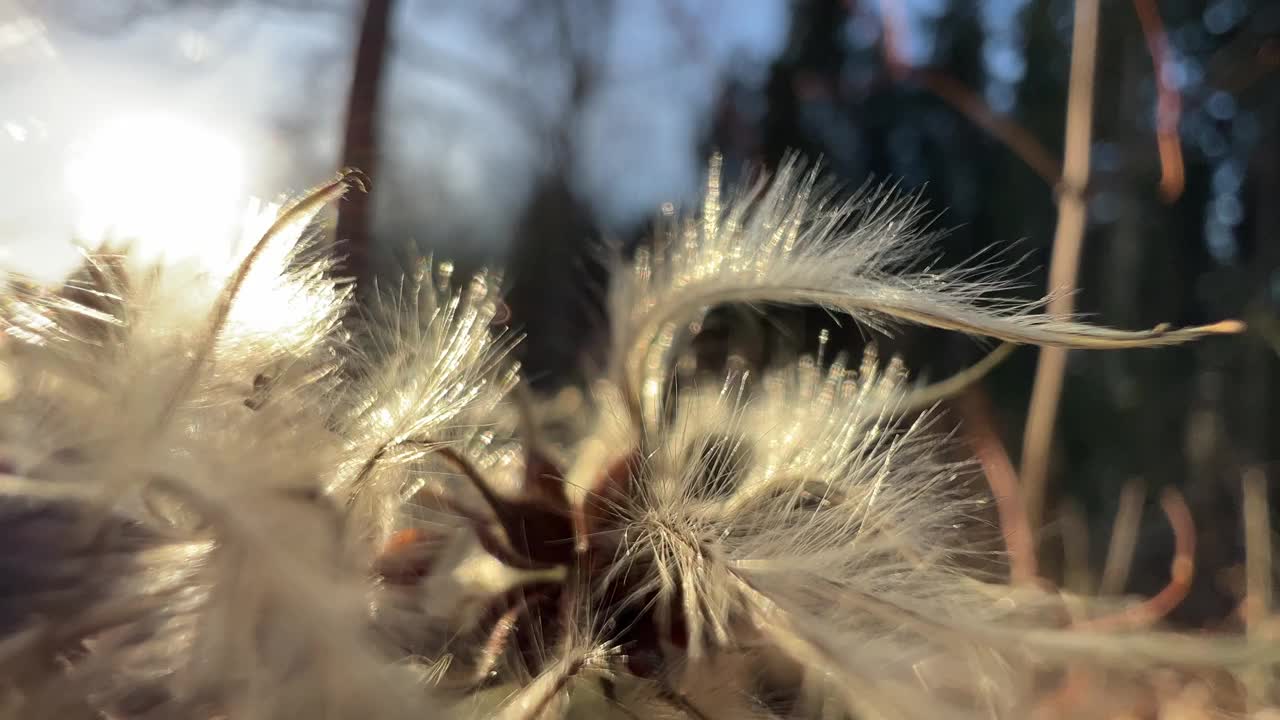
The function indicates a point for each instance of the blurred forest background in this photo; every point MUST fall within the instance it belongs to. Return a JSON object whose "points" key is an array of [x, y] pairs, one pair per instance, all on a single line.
{"points": [[524, 133]]}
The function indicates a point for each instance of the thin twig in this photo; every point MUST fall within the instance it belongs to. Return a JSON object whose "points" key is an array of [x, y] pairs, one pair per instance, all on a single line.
{"points": [[1168, 102], [1003, 480], [1065, 262], [928, 395], [1256, 608], [1124, 538], [1012, 135], [1075, 547], [965, 101], [1257, 534]]}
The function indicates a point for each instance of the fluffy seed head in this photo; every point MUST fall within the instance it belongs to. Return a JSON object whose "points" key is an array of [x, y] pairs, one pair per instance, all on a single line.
{"points": [[222, 500]]}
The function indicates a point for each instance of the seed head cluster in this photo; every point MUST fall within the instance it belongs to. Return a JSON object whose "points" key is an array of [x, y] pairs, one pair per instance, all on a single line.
{"points": [[223, 496]]}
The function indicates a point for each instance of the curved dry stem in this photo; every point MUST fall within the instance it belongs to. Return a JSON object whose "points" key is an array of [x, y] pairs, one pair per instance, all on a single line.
{"points": [[924, 310], [1168, 103], [1003, 481], [299, 213], [1038, 330], [1180, 572], [933, 393]]}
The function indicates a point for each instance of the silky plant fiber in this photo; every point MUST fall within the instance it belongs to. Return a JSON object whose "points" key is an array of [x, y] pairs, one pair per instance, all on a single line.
{"points": [[222, 497]]}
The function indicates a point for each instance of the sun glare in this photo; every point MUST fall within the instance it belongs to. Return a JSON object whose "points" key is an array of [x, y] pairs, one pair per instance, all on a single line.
{"points": [[168, 185], [175, 190]]}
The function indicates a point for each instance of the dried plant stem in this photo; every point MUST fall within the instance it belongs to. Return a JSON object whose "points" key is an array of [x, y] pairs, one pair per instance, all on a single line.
{"points": [[496, 644], [1124, 538], [1075, 547], [954, 385], [1003, 480], [1257, 600], [1065, 262], [965, 101], [1012, 135], [300, 212], [1181, 570], [532, 701], [1168, 103], [1257, 533]]}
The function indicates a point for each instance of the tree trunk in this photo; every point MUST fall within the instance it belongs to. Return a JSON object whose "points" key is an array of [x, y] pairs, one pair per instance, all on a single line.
{"points": [[360, 140]]}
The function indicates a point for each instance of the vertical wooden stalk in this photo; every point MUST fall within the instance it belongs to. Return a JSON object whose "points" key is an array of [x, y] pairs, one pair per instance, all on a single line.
{"points": [[1065, 262]]}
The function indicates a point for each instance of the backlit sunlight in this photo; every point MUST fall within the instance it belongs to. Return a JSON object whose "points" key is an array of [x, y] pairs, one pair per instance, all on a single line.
{"points": [[169, 185]]}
